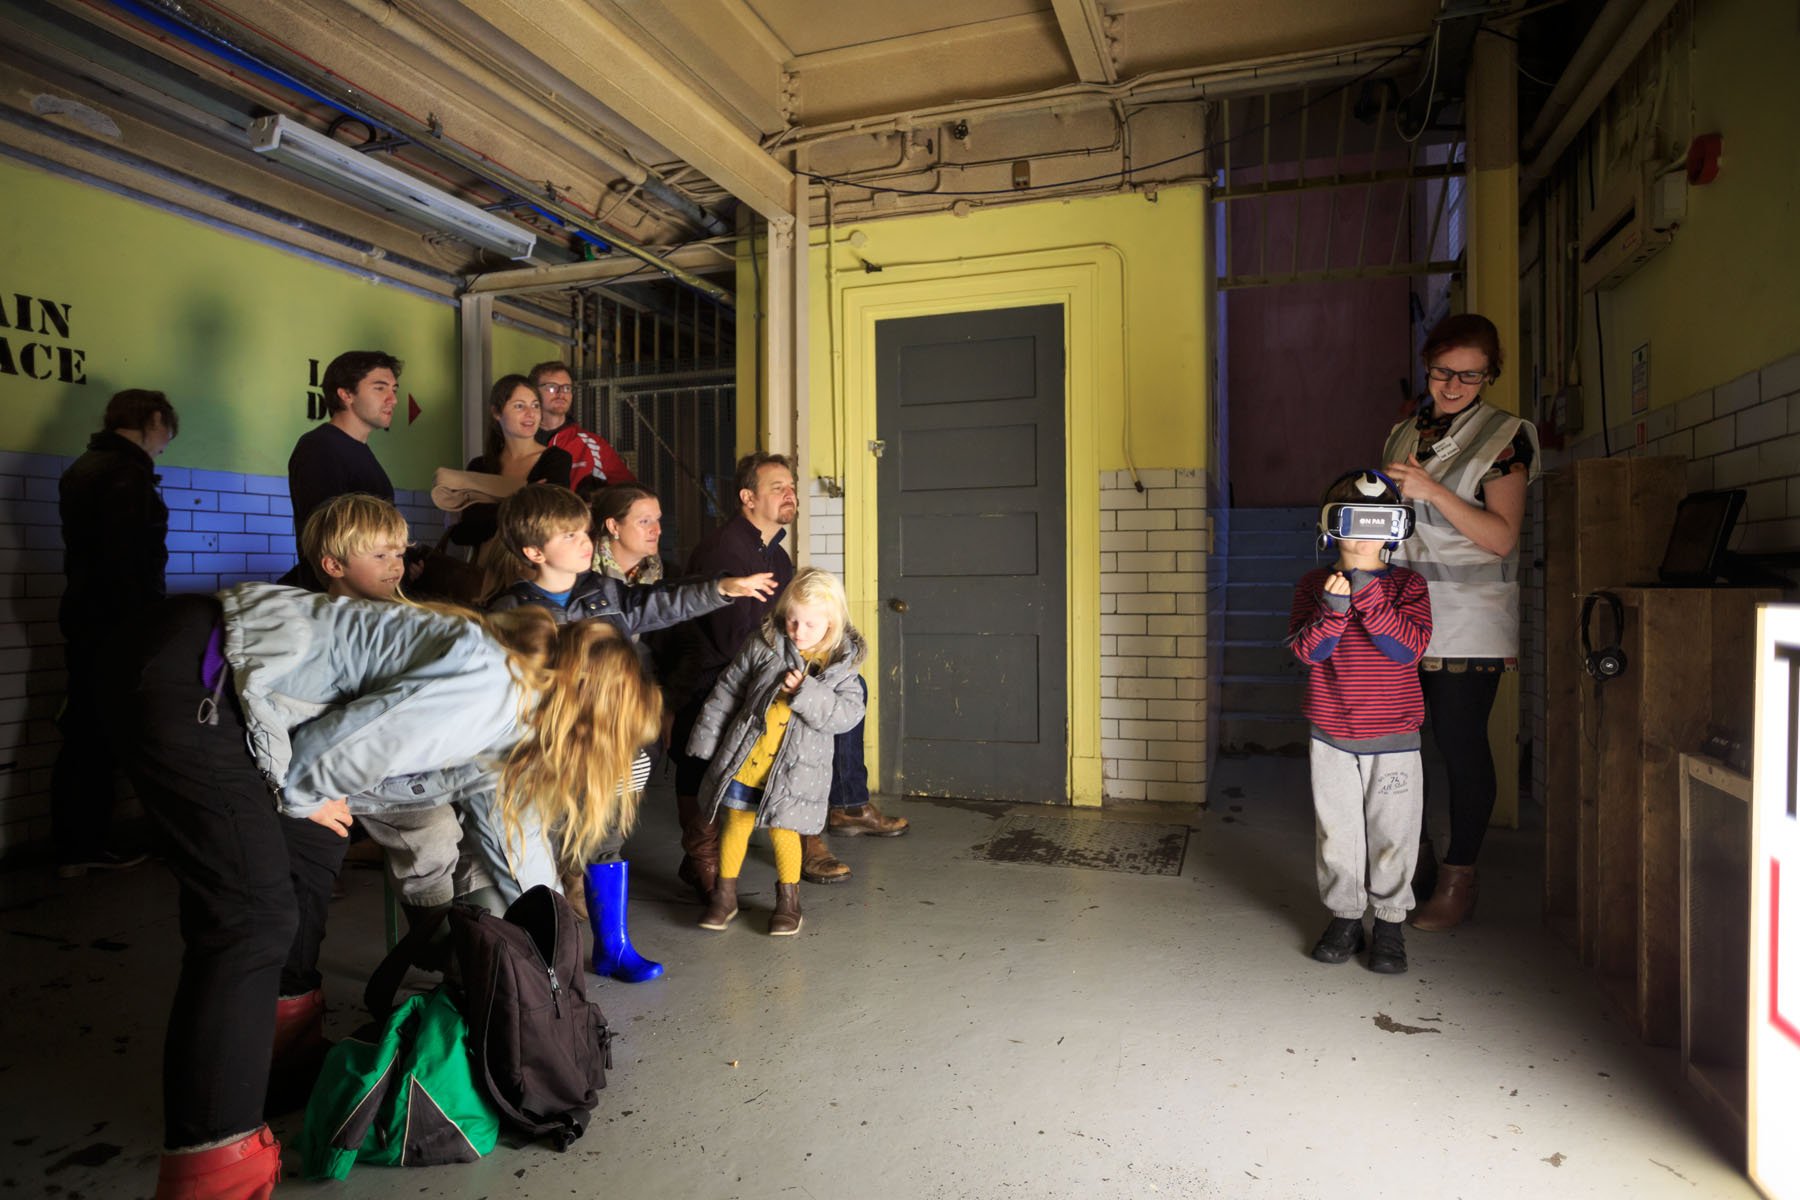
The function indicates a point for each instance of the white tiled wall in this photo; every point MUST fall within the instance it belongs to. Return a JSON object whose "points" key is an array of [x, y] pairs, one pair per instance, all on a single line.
{"points": [[1744, 433], [825, 529], [224, 528], [1153, 549]]}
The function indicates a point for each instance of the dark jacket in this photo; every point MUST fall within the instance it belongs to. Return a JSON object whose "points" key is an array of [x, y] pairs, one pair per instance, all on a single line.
{"points": [[115, 530], [702, 650], [630, 610], [798, 788]]}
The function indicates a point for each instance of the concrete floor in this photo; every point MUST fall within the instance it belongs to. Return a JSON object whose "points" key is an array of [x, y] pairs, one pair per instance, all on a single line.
{"points": [[947, 1027]]}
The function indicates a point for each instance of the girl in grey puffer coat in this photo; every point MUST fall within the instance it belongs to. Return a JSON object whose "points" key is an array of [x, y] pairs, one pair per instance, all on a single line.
{"points": [[769, 727]]}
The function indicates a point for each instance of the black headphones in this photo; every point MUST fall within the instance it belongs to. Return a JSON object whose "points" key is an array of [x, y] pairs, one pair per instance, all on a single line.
{"points": [[1608, 662]]}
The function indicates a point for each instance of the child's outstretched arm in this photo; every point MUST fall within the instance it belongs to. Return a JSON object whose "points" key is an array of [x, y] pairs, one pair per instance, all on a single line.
{"points": [[1318, 618], [659, 605], [830, 707], [1399, 626], [723, 701]]}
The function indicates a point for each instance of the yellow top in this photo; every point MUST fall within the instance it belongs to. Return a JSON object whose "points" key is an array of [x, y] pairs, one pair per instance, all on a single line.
{"points": [[755, 770]]}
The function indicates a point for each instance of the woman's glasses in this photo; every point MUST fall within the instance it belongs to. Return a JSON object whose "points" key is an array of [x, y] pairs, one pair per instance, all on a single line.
{"points": [[1445, 375]]}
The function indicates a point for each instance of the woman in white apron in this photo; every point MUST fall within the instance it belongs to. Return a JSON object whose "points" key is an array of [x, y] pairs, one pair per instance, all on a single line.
{"points": [[1464, 465]]}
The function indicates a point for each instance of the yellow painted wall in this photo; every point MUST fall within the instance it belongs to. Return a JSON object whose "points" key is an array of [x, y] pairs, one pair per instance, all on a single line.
{"points": [[1724, 298], [1128, 271], [1159, 244], [223, 324]]}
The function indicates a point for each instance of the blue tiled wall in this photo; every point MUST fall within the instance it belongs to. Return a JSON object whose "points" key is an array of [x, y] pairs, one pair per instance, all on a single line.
{"points": [[224, 528]]}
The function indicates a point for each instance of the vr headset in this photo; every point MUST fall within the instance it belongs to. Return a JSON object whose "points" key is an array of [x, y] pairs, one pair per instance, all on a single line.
{"points": [[1382, 517]]}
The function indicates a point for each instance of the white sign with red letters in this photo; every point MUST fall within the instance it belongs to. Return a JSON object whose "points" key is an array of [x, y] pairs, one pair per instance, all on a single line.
{"points": [[1774, 1051]]}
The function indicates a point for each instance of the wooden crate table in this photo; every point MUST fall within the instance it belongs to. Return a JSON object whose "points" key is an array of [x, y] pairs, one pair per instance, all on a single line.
{"points": [[1715, 939]]}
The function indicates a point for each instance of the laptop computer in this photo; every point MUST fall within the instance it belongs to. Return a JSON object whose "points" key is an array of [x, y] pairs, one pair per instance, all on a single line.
{"points": [[1696, 554]]}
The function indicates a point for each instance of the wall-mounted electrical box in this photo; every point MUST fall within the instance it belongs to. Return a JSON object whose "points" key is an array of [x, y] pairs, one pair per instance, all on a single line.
{"points": [[1633, 220]]}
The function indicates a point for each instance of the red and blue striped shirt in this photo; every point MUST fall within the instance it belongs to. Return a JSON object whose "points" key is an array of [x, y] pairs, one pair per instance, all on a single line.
{"points": [[1363, 680]]}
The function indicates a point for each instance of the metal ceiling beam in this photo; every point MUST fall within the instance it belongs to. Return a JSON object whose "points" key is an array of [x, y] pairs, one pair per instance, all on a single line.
{"points": [[695, 258], [599, 57], [1084, 29]]}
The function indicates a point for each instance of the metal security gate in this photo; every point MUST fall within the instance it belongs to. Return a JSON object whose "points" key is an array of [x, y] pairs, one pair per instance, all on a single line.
{"points": [[665, 396], [1320, 187]]}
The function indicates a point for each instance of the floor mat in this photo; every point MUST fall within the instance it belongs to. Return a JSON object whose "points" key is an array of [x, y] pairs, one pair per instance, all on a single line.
{"points": [[1127, 846]]}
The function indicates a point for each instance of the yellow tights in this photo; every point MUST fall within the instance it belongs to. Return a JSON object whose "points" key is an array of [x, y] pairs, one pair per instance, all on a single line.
{"points": [[734, 844]]}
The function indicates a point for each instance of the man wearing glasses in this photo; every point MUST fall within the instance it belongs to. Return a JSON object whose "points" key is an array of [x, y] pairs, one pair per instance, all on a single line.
{"points": [[593, 454]]}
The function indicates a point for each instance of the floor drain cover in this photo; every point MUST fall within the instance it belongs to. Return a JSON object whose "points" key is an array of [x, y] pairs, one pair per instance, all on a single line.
{"points": [[1127, 846]]}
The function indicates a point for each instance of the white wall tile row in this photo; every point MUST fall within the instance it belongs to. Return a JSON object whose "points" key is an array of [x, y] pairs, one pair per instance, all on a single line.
{"points": [[1153, 631], [825, 529]]}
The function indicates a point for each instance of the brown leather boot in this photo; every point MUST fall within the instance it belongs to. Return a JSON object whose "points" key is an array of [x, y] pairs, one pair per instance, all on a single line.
{"points": [[721, 906], [817, 865], [1451, 903], [785, 920], [865, 820], [700, 846], [575, 892]]}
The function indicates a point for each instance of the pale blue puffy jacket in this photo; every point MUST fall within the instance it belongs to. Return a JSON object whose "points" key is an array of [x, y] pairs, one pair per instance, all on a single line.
{"points": [[388, 705]]}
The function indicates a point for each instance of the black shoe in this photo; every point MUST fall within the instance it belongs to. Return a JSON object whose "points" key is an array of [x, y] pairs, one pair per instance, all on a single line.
{"points": [[1388, 955], [1342, 938]]}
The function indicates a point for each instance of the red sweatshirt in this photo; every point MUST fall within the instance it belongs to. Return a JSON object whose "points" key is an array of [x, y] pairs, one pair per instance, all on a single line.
{"points": [[1364, 681], [591, 454]]}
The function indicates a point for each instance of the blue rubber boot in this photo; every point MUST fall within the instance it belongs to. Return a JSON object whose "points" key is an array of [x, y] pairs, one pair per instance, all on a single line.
{"points": [[608, 885]]}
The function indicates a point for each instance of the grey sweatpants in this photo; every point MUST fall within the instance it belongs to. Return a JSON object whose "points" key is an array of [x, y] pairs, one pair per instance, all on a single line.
{"points": [[1367, 808], [421, 847]]}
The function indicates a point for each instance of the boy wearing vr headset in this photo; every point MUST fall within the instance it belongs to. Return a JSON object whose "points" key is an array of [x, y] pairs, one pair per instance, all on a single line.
{"points": [[1360, 626]]}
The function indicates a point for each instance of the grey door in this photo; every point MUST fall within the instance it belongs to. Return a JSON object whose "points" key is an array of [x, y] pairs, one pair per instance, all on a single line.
{"points": [[969, 407]]}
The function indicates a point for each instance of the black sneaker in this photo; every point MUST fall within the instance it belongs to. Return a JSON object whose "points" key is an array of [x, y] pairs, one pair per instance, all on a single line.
{"points": [[1388, 955], [1342, 938], [106, 860]]}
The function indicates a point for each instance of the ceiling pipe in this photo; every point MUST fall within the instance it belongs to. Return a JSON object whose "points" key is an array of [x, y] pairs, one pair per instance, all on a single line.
{"points": [[259, 51], [567, 124], [1260, 74], [1608, 25], [1616, 54]]}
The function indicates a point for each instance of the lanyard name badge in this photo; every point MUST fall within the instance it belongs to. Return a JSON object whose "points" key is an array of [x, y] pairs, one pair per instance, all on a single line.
{"points": [[1442, 450]]}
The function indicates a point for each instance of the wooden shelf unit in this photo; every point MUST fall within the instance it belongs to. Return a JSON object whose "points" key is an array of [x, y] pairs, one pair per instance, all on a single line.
{"points": [[1607, 523], [1691, 655]]}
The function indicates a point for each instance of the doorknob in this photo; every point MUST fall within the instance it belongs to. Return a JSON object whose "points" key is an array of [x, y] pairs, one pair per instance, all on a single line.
{"points": [[897, 604]]}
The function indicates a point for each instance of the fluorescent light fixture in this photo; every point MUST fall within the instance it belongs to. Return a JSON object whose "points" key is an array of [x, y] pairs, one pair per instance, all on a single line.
{"points": [[327, 159]]}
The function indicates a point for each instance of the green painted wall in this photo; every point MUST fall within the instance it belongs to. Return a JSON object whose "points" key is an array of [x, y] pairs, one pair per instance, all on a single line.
{"points": [[225, 325]]}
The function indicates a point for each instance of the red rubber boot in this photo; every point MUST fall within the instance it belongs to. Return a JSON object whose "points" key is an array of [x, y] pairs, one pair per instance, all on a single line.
{"points": [[246, 1169]]}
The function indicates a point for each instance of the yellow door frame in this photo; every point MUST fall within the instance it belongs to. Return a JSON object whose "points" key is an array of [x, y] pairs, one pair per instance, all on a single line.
{"points": [[1088, 281]]}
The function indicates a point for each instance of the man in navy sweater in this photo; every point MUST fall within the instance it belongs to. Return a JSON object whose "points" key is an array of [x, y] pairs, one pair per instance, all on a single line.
{"points": [[334, 459]]}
